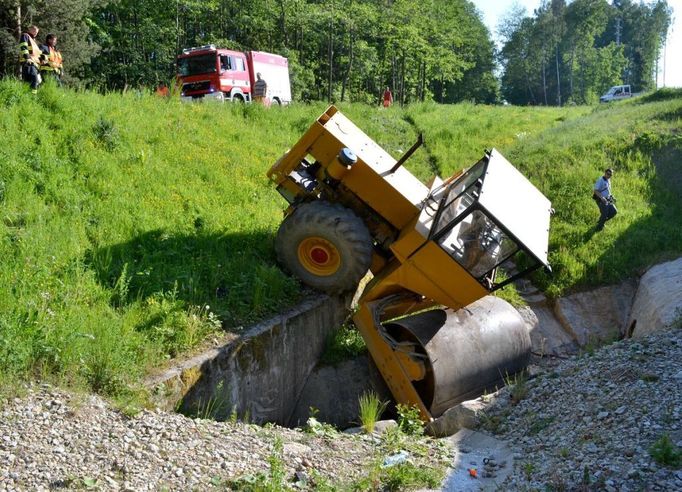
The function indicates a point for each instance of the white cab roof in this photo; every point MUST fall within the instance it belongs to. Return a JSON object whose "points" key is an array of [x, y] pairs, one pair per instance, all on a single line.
{"points": [[517, 205]]}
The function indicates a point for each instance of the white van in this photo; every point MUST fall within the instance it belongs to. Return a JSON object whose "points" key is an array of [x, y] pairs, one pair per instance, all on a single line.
{"points": [[616, 92]]}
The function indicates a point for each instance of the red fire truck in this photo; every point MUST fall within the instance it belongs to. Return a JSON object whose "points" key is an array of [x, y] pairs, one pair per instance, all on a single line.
{"points": [[226, 75]]}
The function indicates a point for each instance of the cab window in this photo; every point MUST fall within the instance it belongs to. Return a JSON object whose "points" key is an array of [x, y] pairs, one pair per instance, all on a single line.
{"points": [[239, 65], [226, 63]]}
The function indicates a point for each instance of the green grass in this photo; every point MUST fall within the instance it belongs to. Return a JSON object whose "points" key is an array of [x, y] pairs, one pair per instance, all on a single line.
{"points": [[344, 344], [641, 141], [370, 410], [456, 136], [132, 228]]}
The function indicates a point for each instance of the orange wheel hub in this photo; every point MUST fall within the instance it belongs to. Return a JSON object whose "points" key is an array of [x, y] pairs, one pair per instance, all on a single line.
{"points": [[319, 256]]}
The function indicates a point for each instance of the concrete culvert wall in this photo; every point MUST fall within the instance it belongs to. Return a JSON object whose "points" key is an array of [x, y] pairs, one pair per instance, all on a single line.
{"points": [[260, 375], [271, 373], [333, 391]]}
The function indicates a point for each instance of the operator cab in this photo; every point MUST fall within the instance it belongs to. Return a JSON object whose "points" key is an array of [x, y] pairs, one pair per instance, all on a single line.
{"points": [[489, 215]]}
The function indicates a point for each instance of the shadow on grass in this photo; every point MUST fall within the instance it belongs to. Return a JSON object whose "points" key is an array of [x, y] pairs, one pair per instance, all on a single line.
{"points": [[664, 94], [236, 274]]}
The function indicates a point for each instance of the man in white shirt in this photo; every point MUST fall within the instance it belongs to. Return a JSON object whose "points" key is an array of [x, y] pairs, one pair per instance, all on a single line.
{"points": [[602, 195]]}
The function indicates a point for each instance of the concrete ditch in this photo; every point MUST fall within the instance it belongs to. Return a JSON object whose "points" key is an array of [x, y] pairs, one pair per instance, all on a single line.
{"points": [[259, 376], [271, 373]]}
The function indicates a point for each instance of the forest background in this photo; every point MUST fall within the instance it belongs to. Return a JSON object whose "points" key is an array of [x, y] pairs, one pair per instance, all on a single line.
{"points": [[349, 50]]}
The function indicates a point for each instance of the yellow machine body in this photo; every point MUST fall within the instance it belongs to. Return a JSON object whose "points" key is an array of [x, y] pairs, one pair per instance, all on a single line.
{"points": [[393, 199], [430, 246]]}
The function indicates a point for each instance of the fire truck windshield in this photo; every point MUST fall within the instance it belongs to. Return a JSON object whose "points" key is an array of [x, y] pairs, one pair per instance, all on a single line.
{"points": [[194, 65]]}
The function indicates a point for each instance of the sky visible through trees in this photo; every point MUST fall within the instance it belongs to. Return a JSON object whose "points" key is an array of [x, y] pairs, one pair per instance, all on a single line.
{"points": [[669, 71]]}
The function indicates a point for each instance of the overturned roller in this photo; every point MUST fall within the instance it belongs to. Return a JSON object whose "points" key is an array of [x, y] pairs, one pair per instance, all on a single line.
{"points": [[465, 352]]}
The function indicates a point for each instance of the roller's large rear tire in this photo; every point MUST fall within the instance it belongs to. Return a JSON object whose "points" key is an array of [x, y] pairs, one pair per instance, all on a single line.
{"points": [[326, 246]]}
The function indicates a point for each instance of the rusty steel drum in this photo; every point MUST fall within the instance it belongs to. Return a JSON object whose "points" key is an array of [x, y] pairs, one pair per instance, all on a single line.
{"points": [[466, 352]]}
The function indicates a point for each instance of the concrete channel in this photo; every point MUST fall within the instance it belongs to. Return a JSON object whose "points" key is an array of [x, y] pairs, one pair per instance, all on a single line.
{"points": [[271, 373], [261, 375]]}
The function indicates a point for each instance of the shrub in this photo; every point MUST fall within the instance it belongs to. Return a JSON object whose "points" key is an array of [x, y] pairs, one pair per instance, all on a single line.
{"points": [[665, 452], [409, 420]]}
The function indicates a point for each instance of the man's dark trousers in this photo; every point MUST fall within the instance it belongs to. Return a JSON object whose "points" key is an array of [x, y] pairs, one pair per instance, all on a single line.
{"points": [[30, 74], [608, 211]]}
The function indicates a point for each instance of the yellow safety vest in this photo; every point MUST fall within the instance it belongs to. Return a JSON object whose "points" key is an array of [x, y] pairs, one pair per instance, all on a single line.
{"points": [[29, 52], [54, 61]]}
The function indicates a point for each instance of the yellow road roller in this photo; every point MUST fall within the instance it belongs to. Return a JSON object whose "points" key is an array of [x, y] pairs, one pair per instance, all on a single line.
{"points": [[435, 252]]}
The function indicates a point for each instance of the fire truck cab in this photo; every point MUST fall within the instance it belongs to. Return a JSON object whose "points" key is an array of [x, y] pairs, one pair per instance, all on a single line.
{"points": [[207, 72]]}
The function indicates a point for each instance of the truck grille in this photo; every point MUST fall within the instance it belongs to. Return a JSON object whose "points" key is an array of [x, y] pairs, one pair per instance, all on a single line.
{"points": [[204, 85]]}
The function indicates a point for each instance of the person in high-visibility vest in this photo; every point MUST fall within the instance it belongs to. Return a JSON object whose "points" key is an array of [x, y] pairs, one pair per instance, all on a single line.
{"points": [[30, 58], [52, 59], [387, 98], [162, 90]]}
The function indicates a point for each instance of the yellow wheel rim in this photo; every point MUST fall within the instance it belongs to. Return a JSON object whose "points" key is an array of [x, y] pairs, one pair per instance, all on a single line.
{"points": [[319, 256]]}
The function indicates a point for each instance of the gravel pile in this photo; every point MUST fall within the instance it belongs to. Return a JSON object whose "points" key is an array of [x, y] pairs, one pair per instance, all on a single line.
{"points": [[589, 422], [50, 440], [586, 423]]}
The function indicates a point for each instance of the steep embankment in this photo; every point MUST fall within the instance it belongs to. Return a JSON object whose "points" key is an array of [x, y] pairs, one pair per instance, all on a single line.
{"points": [[132, 227], [639, 138]]}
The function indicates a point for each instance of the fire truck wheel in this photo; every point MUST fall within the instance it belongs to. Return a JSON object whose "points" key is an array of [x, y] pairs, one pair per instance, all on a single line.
{"points": [[326, 246]]}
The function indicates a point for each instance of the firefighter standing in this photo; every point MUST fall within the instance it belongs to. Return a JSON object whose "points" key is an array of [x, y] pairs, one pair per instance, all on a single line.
{"points": [[52, 59], [30, 58], [260, 90]]}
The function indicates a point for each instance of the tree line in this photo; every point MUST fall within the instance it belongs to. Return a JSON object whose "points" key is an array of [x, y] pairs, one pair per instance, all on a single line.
{"points": [[572, 52], [345, 50], [349, 50]]}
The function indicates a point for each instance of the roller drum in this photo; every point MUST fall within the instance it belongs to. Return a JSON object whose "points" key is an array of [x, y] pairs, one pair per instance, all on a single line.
{"points": [[466, 351]]}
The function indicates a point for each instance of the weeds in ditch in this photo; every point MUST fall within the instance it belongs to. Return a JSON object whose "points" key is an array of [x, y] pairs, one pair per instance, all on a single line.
{"points": [[274, 480], [665, 452], [649, 377], [371, 409], [403, 476], [518, 386], [211, 408], [539, 424], [409, 420], [344, 344], [315, 427], [422, 462], [493, 423], [586, 480]]}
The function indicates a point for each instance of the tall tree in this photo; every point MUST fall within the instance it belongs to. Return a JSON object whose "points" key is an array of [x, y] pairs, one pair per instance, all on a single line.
{"points": [[588, 44]]}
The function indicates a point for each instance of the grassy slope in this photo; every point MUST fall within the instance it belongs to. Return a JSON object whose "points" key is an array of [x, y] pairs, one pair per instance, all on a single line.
{"points": [[130, 223], [641, 140]]}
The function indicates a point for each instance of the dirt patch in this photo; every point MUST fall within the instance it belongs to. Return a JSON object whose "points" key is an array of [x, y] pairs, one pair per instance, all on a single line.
{"points": [[668, 162]]}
